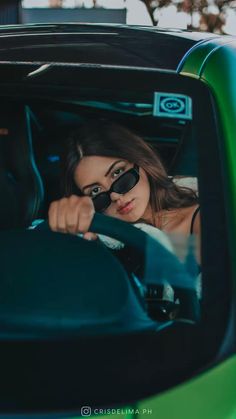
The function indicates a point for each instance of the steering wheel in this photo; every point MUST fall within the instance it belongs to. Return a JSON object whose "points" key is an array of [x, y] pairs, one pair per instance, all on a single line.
{"points": [[163, 266], [58, 284]]}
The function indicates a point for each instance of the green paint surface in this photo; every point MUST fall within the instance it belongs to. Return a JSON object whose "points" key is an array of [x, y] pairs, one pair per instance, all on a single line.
{"points": [[211, 395], [215, 64]]}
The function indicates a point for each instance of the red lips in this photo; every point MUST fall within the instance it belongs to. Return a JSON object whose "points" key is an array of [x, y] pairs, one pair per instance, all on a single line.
{"points": [[124, 209]]}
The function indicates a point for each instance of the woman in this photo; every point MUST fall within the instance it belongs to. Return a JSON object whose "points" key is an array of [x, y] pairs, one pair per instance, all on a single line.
{"points": [[112, 170]]}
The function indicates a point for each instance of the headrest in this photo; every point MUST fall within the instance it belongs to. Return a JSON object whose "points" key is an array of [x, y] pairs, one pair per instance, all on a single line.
{"points": [[20, 183]]}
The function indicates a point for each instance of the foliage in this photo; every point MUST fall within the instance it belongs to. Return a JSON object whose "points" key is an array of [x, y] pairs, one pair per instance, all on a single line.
{"points": [[211, 14], [203, 15]]}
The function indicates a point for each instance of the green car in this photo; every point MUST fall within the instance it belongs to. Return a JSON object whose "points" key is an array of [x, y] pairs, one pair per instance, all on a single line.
{"points": [[81, 334]]}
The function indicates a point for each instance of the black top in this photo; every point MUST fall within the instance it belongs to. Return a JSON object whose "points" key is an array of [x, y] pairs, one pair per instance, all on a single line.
{"points": [[193, 219]]}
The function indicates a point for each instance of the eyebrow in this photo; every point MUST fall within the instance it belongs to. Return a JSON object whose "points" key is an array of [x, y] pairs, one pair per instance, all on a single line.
{"points": [[106, 174]]}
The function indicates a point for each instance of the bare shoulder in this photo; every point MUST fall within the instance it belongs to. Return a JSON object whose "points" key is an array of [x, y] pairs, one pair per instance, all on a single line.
{"points": [[179, 221], [190, 220]]}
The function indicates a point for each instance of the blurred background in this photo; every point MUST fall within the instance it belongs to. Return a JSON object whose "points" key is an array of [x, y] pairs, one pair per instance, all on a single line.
{"points": [[218, 16]]}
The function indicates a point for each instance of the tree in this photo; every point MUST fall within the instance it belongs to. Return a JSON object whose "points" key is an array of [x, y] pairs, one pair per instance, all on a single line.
{"points": [[211, 15], [211, 21], [55, 3]]}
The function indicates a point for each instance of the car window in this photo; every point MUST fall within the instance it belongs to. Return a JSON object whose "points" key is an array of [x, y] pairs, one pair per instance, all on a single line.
{"points": [[176, 116]]}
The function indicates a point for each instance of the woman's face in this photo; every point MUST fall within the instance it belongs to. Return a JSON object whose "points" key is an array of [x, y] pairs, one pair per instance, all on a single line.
{"points": [[94, 175]]}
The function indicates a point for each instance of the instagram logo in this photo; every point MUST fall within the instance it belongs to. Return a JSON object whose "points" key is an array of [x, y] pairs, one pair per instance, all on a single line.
{"points": [[85, 411]]}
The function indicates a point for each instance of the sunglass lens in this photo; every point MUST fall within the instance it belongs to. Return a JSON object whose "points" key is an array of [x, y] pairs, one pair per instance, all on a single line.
{"points": [[125, 183], [101, 202]]}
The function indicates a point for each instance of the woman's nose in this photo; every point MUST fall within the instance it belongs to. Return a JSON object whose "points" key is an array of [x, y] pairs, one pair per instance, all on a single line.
{"points": [[115, 196]]}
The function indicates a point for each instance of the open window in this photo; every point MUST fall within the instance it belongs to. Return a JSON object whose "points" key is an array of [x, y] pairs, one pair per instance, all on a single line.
{"points": [[177, 116]]}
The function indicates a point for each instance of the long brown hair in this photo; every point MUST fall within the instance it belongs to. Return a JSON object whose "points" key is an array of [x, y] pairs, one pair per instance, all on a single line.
{"points": [[108, 139]]}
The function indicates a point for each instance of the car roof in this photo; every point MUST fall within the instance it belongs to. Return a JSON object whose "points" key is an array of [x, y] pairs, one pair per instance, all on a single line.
{"points": [[108, 44]]}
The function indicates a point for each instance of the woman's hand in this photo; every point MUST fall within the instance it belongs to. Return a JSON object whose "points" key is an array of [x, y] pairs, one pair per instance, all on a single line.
{"points": [[72, 215]]}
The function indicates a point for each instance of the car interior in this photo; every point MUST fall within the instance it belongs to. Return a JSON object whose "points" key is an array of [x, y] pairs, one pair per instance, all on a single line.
{"points": [[53, 125], [43, 130], [48, 323]]}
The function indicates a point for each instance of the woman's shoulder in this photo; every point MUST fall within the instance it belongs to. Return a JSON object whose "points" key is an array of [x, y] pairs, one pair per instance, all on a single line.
{"points": [[190, 219], [179, 220]]}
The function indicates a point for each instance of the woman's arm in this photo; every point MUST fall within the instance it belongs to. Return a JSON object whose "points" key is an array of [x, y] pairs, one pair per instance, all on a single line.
{"points": [[72, 215]]}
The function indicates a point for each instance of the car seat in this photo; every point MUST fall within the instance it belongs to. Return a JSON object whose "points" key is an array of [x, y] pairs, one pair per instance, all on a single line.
{"points": [[185, 162], [21, 187]]}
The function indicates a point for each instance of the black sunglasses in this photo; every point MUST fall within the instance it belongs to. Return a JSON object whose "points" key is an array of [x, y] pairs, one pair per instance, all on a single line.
{"points": [[123, 184]]}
